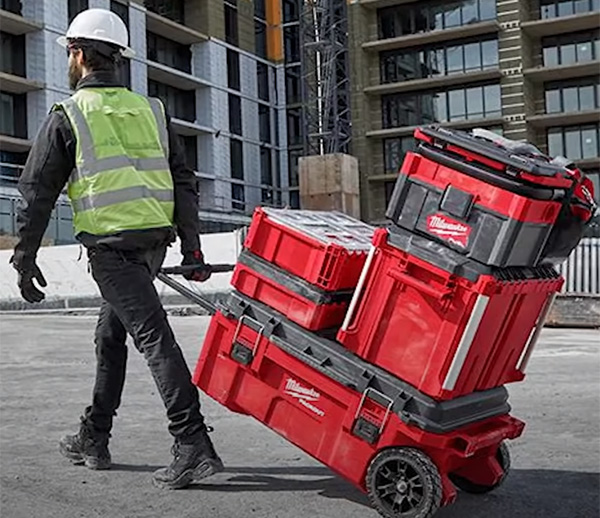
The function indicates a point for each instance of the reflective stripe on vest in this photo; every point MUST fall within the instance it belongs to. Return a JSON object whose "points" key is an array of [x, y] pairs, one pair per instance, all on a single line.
{"points": [[121, 160]]}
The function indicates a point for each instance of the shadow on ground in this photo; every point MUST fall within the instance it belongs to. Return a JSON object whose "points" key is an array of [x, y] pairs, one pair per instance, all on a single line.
{"points": [[526, 493]]}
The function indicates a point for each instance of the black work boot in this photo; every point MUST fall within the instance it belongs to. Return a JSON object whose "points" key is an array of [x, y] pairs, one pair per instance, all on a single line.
{"points": [[86, 448], [193, 461]]}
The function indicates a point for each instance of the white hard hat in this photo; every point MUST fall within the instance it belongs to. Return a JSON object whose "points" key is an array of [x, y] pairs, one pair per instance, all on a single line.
{"points": [[99, 25]]}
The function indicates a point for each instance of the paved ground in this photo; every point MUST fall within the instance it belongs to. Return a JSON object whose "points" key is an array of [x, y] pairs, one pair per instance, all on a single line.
{"points": [[46, 367]]}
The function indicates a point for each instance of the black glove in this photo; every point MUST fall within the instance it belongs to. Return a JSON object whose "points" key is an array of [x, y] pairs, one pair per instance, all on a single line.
{"points": [[27, 272], [202, 271]]}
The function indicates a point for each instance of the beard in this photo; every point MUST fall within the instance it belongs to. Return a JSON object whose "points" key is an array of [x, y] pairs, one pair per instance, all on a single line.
{"points": [[74, 74]]}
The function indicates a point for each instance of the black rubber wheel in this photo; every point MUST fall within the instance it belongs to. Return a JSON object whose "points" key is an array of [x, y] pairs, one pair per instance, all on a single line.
{"points": [[404, 483], [503, 456]]}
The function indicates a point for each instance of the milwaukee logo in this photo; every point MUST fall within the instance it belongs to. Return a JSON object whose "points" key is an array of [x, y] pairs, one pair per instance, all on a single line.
{"points": [[304, 395], [449, 229]]}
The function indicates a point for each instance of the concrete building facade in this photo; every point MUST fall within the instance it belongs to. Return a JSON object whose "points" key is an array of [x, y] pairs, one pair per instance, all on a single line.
{"points": [[216, 64], [529, 69]]}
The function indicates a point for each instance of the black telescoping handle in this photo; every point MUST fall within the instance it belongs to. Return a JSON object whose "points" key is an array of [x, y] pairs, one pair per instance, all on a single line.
{"points": [[187, 293], [180, 270]]}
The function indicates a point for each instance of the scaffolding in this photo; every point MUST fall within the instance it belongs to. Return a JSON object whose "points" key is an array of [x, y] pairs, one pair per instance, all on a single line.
{"points": [[325, 76]]}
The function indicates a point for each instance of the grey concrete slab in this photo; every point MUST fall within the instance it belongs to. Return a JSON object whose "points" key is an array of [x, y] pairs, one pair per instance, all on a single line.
{"points": [[46, 374]]}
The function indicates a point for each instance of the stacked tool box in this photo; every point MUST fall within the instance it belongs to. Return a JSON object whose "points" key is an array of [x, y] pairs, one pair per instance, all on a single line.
{"points": [[454, 294], [303, 264], [384, 352]]}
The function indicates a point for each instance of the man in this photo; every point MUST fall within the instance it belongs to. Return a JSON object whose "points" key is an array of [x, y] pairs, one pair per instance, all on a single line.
{"points": [[130, 190]]}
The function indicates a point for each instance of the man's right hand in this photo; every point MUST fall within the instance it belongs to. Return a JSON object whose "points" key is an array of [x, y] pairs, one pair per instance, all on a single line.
{"points": [[202, 271], [27, 273]]}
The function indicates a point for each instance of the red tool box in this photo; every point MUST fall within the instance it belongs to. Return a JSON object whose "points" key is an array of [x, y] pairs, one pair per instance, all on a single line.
{"points": [[326, 249], [447, 325], [494, 205], [363, 436], [311, 307]]}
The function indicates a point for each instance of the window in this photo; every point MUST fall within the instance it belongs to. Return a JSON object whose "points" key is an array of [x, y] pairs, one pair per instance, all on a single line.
{"points": [[236, 158], [574, 142], [11, 165], [558, 8], [13, 115], [121, 10], [388, 188], [294, 199], [262, 80], [293, 161], [292, 84], [231, 24], [190, 149], [402, 20], [233, 69], [235, 114], [266, 166], [12, 54], [179, 103], [394, 150], [264, 122], [238, 198], [291, 11], [75, 7], [476, 102], [294, 126], [260, 37], [260, 10], [571, 48], [13, 6], [171, 9], [169, 52], [291, 43], [575, 95], [124, 72], [458, 57]]}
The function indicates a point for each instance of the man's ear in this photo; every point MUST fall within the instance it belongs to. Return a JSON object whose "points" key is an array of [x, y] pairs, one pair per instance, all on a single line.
{"points": [[79, 57]]}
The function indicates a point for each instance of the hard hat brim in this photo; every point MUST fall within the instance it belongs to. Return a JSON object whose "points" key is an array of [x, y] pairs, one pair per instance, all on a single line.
{"points": [[126, 52]]}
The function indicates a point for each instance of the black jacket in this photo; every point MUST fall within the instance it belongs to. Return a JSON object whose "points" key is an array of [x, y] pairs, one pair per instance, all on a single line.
{"points": [[47, 171]]}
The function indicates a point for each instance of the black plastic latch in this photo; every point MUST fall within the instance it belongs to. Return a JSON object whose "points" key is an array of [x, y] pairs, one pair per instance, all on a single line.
{"points": [[241, 354], [366, 430]]}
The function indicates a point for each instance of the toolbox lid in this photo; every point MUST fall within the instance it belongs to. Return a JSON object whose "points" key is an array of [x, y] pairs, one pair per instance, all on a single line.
{"points": [[518, 157], [460, 265], [338, 363], [328, 227]]}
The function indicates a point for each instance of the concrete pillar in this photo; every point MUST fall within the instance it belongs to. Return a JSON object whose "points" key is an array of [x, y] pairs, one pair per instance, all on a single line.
{"points": [[330, 182]]}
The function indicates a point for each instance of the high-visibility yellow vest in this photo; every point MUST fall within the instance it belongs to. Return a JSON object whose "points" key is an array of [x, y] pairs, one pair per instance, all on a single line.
{"points": [[122, 179]]}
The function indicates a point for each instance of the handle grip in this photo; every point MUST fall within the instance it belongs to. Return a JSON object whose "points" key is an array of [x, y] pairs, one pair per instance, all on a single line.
{"points": [[404, 278], [180, 270]]}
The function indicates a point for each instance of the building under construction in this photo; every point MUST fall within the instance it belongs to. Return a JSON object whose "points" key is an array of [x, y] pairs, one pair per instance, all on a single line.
{"points": [[254, 85]]}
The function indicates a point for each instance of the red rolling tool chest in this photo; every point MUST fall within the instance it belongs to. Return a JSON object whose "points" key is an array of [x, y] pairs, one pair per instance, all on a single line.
{"points": [[326, 249], [497, 206], [365, 425], [446, 325]]}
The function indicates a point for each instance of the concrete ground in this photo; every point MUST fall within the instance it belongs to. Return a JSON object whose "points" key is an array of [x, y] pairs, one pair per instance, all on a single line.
{"points": [[46, 372]]}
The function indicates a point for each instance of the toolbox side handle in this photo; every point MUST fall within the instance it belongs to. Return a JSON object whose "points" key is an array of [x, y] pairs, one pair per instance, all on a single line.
{"points": [[359, 287], [404, 278], [259, 332]]}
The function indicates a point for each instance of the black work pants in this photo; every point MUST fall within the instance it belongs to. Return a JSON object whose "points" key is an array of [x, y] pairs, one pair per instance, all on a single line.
{"points": [[132, 306]]}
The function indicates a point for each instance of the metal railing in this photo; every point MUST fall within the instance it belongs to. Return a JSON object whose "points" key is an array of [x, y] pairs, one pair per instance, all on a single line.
{"points": [[582, 270]]}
